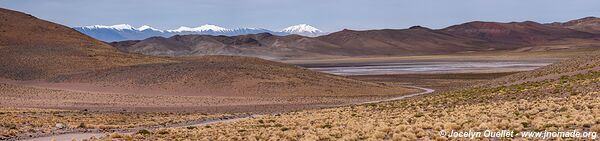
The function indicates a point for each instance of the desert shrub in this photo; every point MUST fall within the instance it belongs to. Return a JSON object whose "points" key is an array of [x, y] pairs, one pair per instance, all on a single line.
{"points": [[596, 128], [115, 135], [143, 132], [326, 126], [525, 124], [11, 126], [162, 132]]}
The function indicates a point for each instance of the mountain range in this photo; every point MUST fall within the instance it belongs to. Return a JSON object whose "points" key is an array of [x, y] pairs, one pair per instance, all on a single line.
{"points": [[121, 32], [467, 37]]}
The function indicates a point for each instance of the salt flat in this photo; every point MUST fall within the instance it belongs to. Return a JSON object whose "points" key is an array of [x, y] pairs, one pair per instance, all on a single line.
{"points": [[427, 67]]}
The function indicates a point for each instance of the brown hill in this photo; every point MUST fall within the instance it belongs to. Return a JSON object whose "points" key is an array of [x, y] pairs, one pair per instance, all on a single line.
{"points": [[31, 48], [413, 41], [261, 45], [515, 34], [226, 76], [587, 24]]}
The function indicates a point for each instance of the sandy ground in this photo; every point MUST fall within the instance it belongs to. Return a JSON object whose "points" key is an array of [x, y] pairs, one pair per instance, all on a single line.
{"points": [[66, 137]]}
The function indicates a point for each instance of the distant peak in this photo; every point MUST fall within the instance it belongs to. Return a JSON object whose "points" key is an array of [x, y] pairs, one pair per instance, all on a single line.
{"points": [[418, 27], [530, 22], [146, 27], [206, 27], [181, 28], [116, 27], [301, 28], [212, 27], [586, 19], [121, 27], [589, 18], [249, 28]]}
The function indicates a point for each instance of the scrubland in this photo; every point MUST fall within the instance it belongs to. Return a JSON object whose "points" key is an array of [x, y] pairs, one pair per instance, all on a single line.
{"points": [[22, 122], [439, 82], [570, 102]]}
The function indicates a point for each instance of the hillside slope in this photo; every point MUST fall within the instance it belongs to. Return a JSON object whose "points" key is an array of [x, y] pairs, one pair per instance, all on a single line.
{"points": [[413, 41], [259, 45], [227, 76], [576, 66], [515, 33], [31, 48]]}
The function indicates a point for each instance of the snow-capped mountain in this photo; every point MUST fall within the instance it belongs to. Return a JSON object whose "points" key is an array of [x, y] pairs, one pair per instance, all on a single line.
{"points": [[203, 28], [115, 27], [303, 29], [121, 32], [146, 27]]}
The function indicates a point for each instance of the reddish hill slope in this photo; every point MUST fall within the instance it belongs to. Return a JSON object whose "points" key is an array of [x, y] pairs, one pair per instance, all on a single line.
{"points": [[261, 45], [227, 76], [31, 48], [516, 34], [416, 40]]}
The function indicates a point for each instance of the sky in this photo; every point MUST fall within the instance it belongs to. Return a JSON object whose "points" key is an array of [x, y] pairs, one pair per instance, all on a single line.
{"points": [[327, 15]]}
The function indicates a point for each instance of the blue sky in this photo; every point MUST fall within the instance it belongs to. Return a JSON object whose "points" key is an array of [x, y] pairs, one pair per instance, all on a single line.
{"points": [[328, 15]]}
